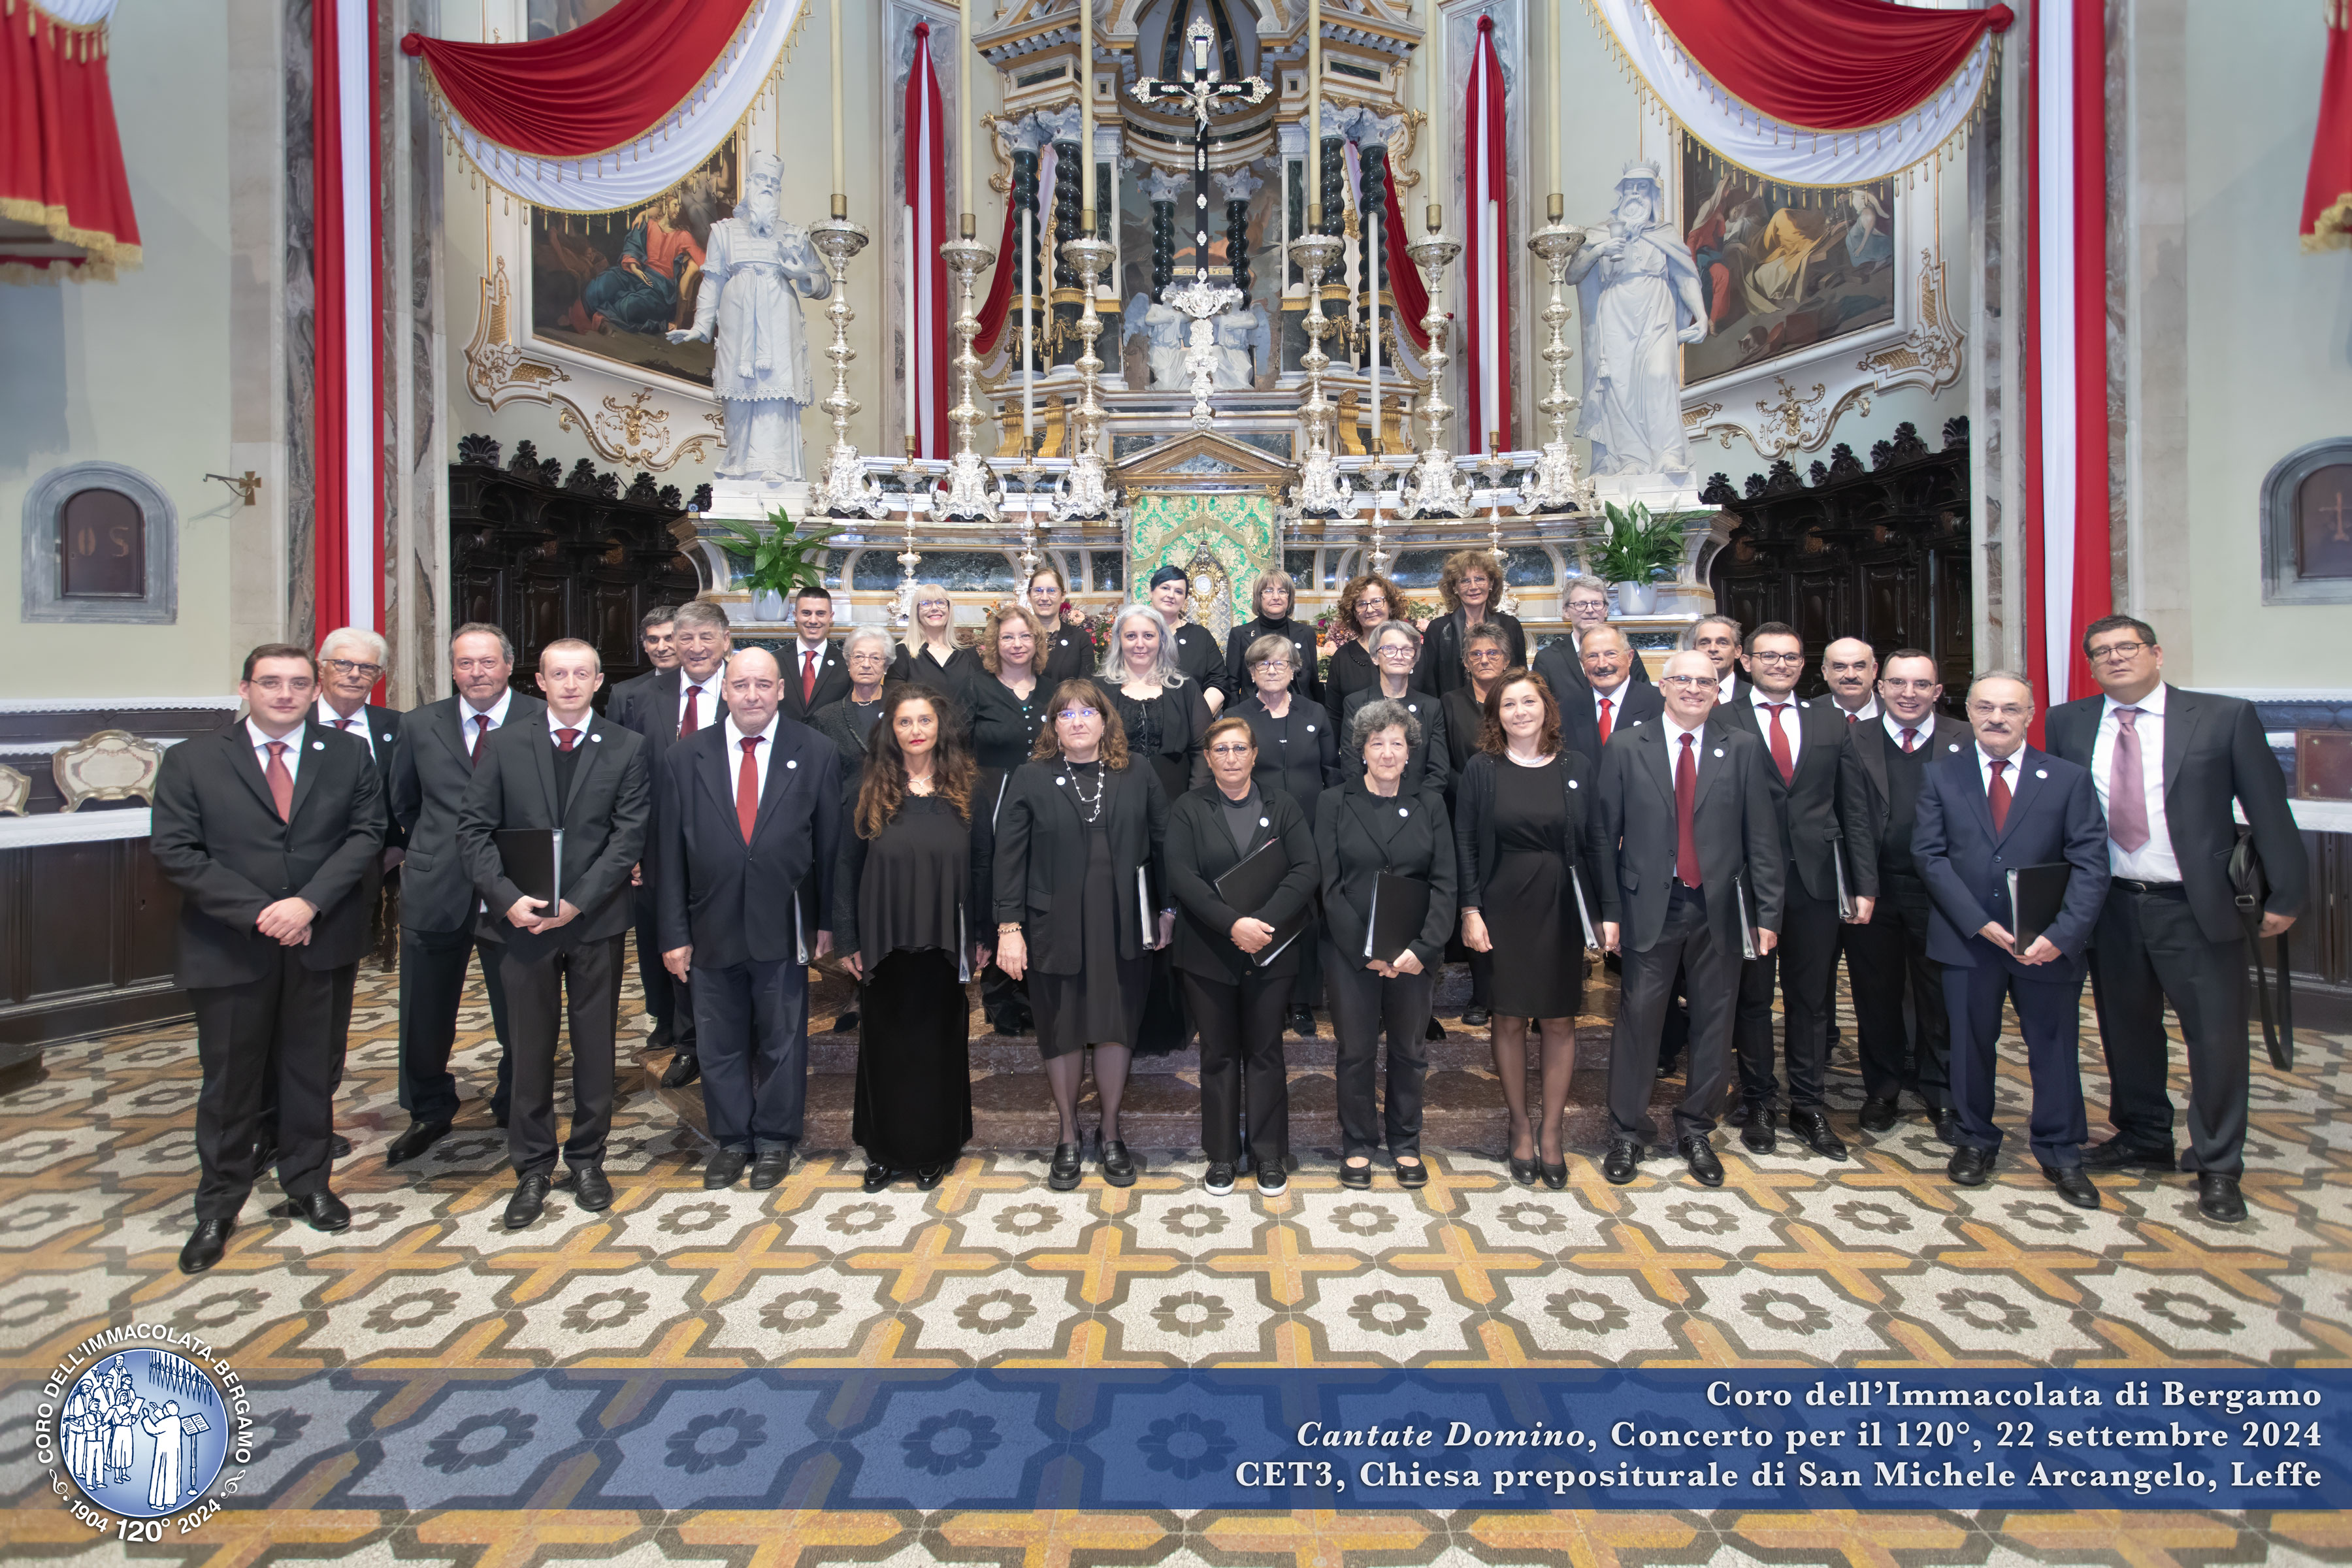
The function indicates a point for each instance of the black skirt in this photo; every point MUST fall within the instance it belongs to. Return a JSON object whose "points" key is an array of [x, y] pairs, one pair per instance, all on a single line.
{"points": [[1102, 1004], [913, 1062]]}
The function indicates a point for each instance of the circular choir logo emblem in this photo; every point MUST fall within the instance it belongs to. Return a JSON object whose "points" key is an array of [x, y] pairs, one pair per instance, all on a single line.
{"points": [[142, 1431]]}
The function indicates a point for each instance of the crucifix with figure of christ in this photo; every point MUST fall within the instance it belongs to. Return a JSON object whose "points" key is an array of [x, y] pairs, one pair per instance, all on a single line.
{"points": [[1200, 300]]}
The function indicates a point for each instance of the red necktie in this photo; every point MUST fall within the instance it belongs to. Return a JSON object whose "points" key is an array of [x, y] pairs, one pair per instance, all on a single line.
{"points": [[1850, 720], [747, 786], [1997, 796], [1909, 738], [482, 722], [1781, 757], [687, 722], [281, 783], [1604, 720], [808, 678], [566, 739], [1686, 800], [2126, 787]]}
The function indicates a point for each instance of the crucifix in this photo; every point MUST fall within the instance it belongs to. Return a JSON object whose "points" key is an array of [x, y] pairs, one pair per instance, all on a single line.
{"points": [[1199, 299]]}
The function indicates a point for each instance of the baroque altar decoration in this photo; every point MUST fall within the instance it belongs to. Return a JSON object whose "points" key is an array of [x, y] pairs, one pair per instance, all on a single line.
{"points": [[61, 162]]}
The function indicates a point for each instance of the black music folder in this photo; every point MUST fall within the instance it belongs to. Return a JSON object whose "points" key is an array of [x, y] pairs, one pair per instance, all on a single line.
{"points": [[1846, 904], [2036, 895], [1247, 888], [1748, 948], [1400, 908], [533, 860]]}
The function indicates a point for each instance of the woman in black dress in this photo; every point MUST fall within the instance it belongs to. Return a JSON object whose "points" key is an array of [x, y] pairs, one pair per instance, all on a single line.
{"points": [[1485, 654], [1068, 647], [911, 915], [1396, 648], [1079, 844], [849, 722], [1237, 1000], [1271, 601], [929, 653], [1165, 712], [1299, 754], [1527, 837], [1364, 604], [1375, 824], [1006, 699], [1472, 588]]}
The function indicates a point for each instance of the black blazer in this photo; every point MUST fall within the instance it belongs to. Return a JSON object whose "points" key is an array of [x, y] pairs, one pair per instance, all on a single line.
{"points": [[1040, 859], [2054, 815], [836, 722], [1305, 679], [1070, 655], [1864, 798], [1002, 731], [1358, 835], [1812, 814], [1298, 754], [1185, 720], [1198, 655], [1735, 819], [1439, 668], [218, 837], [384, 740], [733, 902], [651, 709], [832, 678], [1351, 671], [602, 821], [1429, 765], [1201, 850], [1637, 702], [1563, 670], [1475, 845], [949, 678], [1465, 722], [2214, 753], [432, 767]]}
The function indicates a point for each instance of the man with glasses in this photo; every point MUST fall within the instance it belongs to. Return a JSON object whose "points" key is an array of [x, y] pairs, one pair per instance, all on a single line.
{"points": [[1889, 953], [1586, 604], [2168, 765], [351, 659]]}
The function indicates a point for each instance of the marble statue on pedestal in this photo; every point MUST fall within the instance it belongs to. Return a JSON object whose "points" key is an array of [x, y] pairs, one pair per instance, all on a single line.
{"points": [[757, 269], [1637, 291]]}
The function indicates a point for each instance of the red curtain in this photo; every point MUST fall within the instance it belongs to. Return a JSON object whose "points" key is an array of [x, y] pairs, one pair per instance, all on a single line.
{"points": [[998, 305], [1828, 65], [599, 86], [2327, 191], [1398, 272], [60, 157]]}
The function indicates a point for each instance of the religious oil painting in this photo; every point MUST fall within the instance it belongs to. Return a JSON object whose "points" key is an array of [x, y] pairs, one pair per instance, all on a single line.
{"points": [[611, 285], [1782, 270]]}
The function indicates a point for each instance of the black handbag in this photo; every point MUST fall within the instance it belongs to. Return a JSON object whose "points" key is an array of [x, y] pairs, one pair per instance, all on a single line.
{"points": [[2251, 889]]}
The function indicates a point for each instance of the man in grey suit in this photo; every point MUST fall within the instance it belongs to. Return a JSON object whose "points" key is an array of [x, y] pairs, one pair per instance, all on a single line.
{"points": [[2168, 764], [585, 779], [439, 747], [1688, 822], [267, 828]]}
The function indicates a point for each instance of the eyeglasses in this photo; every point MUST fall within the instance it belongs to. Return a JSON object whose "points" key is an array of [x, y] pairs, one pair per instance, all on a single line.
{"points": [[1776, 658], [1395, 650], [1482, 655], [1921, 687], [352, 667], [1274, 664], [1231, 749], [2117, 650], [1691, 682], [1075, 715], [274, 684]]}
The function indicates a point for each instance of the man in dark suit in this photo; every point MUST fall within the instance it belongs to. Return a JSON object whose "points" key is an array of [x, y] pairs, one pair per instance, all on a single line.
{"points": [[2002, 806], [1887, 950], [267, 828], [750, 810], [1686, 818], [1587, 607], [656, 635], [585, 778], [1601, 696], [439, 746], [2167, 765], [351, 660], [1812, 759], [818, 677], [1197, 653], [672, 706]]}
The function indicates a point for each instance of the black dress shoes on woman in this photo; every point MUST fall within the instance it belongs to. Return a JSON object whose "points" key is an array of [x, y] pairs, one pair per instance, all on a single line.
{"points": [[931, 1176], [1118, 1165], [878, 1177], [1523, 1171], [528, 1202], [1354, 1177], [1412, 1170], [1554, 1176], [1069, 1163], [205, 1244]]}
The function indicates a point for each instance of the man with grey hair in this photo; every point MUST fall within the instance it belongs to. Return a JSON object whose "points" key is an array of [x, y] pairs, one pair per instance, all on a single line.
{"points": [[1717, 637], [1561, 661], [352, 661]]}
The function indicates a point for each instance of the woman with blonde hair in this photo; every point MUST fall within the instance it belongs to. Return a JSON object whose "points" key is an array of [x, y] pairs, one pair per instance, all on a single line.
{"points": [[928, 652]]}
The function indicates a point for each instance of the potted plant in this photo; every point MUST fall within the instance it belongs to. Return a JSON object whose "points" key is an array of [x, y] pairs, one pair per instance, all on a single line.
{"points": [[776, 562], [1636, 554]]}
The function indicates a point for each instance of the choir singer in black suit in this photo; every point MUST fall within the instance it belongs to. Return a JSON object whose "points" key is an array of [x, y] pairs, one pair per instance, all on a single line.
{"points": [[2168, 764], [1396, 650], [352, 661], [1370, 825], [1192, 647], [267, 828], [747, 809], [1688, 824], [1298, 754], [586, 778], [850, 722], [1602, 696]]}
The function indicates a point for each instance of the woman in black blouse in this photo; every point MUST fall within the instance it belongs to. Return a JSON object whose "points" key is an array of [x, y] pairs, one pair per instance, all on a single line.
{"points": [[1375, 824], [1005, 698], [1486, 654], [1364, 604], [1299, 754], [1526, 838], [1164, 711], [1235, 994], [1472, 588], [929, 653], [849, 722], [1068, 648], [1396, 649], [1078, 844], [1271, 602], [912, 906]]}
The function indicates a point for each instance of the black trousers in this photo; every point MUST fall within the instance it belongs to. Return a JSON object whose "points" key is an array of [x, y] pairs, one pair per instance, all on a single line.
{"points": [[1711, 976], [2049, 1014], [267, 1045], [1363, 1006], [2145, 950], [1241, 1055], [667, 998], [432, 986], [1883, 958], [585, 985], [752, 1038], [1804, 963]]}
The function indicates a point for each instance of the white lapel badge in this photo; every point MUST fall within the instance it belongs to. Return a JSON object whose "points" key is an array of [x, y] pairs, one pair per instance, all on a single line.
{"points": [[1571, 784], [597, 736], [1718, 750], [2042, 772], [1311, 728], [1405, 811], [318, 746], [1262, 822], [1060, 781], [791, 762], [387, 734], [1953, 747]]}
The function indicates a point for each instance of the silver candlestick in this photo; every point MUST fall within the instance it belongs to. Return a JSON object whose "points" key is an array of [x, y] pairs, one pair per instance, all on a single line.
{"points": [[1495, 468], [965, 494], [1376, 478], [903, 615], [1432, 488], [1321, 492], [845, 491], [1552, 486], [1087, 496]]}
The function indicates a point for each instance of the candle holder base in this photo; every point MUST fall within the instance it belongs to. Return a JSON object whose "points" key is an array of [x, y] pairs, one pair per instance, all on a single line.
{"points": [[965, 495], [1086, 495], [845, 489], [1552, 487], [1323, 492], [1432, 488]]}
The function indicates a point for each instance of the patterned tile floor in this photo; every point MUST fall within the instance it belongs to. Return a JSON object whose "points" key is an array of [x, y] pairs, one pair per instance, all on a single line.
{"points": [[428, 1305]]}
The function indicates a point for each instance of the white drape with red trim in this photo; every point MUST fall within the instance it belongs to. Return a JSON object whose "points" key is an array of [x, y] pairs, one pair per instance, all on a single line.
{"points": [[1486, 278], [927, 224], [348, 472]]}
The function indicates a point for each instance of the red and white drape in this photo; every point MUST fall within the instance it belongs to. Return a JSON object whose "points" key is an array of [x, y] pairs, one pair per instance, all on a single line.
{"points": [[347, 282], [60, 157], [925, 229], [2327, 189], [1487, 277]]}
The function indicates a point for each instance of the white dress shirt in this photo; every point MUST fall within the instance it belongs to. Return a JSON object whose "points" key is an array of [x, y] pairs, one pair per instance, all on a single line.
{"points": [[801, 651], [1615, 698], [1788, 717], [1985, 760], [1862, 715], [708, 706], [2154, 860], [555, 727], [1675, 734], [1923, 731], [736, 736], [357, 723], [261, 743], [468, 714], [1730, 689]]}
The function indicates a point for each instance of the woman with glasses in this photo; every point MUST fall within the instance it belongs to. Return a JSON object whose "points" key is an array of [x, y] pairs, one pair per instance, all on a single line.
{"points": [[1377, 824], [1007, 699], [929, 654], [1069, 648], [1271, 599], [1472, 588], [1078, 848], [1366, 603], [1298, 755], [912, 914], [1237, 963], [1527, 840], [1396, 650], [1485, 654], [850, 722]]}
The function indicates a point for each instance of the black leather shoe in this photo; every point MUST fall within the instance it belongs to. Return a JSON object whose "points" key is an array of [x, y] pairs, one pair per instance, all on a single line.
{"points": [[1354, 1177], [2217, 1198], [1700, 1154], [417, 1137], [724, 1169], [2115, 1154], [773, 1166], [931, 1176], [1070, 1164], [2073, 1185], [1554, 1175], [205, 1244], [338, 1146], [1623, 1161], [684, 1070], [1669, 1066], [1877, 1115], [322, 1210], [1742, 1113], [1217, 1181], [1302, 1023], [1118, 1165], [1432, 1030], [1475, 1017], [1948, 1125], [590, 1189], [528, 1202], [1970, 1165], [878, 1177], [1413, 1171], [847, 1022], [1813, 1127], [1758, 1137], [1523, 1171]]}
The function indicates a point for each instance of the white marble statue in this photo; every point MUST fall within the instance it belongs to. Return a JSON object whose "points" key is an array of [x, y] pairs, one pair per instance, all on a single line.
{"points": [[1637, 291], [1161, 328], [1245, 340], [757, 269]]}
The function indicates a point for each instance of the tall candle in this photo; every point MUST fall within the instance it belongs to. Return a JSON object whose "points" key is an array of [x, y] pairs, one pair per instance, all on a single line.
{"points": [[1436, 84], [1315, 97], [840, 180], [1373, 245], [1086, 111], [1559, 150], [965, 113]]}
